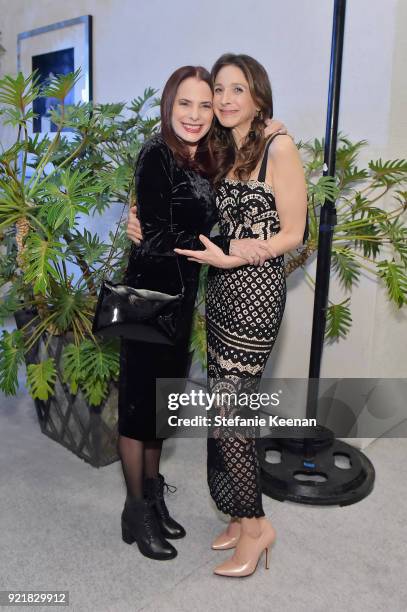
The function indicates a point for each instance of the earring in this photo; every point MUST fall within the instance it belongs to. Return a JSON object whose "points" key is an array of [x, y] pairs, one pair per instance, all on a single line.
{"points": [[258, 114]]}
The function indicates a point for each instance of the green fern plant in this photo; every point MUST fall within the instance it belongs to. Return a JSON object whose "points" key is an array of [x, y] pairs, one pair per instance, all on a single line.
{"points": [[49, 263]]}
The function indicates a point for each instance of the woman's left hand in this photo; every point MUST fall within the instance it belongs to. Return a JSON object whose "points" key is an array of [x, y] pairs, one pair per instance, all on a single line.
{"points": [[212, 255], [274, 126], [253, 250]]}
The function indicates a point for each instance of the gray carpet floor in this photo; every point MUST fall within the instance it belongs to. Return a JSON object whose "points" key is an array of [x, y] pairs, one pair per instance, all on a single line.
{"points": [[60, 529]]}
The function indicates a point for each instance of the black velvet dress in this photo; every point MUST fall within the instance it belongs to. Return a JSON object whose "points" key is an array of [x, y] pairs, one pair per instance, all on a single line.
{"points": [[152, 265]]}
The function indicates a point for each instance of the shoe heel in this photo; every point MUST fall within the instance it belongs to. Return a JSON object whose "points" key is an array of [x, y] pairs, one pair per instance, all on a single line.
{"points": [[267, 558], [127, 535]]}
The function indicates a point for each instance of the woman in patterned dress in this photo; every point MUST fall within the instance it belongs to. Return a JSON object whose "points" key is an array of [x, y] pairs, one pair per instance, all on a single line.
{"points": [[261, 201], [261, 196]]}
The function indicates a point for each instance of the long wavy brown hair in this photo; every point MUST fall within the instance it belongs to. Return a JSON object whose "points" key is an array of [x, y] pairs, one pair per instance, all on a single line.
{"points": [[245, 159], [203, 161]]}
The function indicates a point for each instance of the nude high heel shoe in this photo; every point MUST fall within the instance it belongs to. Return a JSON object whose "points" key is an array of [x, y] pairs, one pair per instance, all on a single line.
{"points": [[228, 538], [247, 554]]}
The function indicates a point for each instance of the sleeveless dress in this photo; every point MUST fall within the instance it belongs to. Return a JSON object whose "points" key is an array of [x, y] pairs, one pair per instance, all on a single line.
{"points": [[161, 185], [244, 309]]}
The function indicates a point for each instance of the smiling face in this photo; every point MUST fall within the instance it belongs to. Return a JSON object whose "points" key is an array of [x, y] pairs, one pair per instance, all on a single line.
{"points": [[192, 112], [233, 103]]}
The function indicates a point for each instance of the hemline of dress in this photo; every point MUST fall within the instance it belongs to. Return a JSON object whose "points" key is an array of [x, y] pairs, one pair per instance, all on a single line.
{"points": [[241, 515]]}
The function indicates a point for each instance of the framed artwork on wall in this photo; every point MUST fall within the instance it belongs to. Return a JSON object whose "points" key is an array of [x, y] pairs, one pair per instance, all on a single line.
{"points": [[55, 49]]}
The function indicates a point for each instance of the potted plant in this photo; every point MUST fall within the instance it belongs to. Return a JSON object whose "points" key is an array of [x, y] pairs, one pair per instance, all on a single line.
{"points": [[51, 267]]}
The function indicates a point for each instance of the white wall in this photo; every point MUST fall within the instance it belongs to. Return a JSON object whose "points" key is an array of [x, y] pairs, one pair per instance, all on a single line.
{"points": [[137, 44]]}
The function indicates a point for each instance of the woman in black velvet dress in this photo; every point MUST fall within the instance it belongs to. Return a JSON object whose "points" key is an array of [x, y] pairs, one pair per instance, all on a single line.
{"points": [[172, 172], [153, 265]]}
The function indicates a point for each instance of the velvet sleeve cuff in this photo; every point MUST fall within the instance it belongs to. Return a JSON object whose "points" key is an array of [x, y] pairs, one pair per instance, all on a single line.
{"points": [[223, 242]]}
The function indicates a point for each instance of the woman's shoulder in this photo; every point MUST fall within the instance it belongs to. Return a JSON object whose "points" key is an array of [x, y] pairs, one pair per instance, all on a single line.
{"points": [[155, 151], [281, 144], [156, 144]]}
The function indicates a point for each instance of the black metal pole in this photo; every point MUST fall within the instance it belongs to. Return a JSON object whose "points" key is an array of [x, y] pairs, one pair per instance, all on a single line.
{"points": [[301, 458], [328, 213]]}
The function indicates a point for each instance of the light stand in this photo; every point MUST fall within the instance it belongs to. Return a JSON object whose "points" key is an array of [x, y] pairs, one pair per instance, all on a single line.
{"points": [[310, 470]]}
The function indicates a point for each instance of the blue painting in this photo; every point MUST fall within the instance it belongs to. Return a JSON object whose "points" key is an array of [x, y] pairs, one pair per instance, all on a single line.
{"points": [[48, 66]]}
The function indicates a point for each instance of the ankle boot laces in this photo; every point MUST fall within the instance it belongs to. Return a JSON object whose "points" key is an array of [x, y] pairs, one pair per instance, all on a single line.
{"points": [[148, 521], [169, 488], [162, 508]]}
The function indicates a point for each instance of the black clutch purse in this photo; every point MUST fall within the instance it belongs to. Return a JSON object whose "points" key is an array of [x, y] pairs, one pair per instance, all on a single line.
{"points": [[137, 314]]}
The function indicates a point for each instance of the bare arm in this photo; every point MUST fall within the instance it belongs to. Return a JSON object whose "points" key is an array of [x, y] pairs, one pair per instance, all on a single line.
{"points": [[212, 255], [286, 174], [290, 192]]}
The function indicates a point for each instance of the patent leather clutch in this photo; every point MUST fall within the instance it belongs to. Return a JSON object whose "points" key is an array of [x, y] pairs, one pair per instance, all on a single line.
{"points": [[137, 314]]}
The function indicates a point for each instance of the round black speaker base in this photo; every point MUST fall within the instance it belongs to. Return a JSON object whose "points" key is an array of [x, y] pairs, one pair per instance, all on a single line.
{"points": [[320, 477]]}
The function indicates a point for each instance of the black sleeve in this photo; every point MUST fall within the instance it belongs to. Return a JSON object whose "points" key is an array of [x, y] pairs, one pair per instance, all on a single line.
{"points": [[223, 242], [154, 192]]}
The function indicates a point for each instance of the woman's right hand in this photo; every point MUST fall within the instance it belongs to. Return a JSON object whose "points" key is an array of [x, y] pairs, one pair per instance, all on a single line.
{"points": [[133, 226]]}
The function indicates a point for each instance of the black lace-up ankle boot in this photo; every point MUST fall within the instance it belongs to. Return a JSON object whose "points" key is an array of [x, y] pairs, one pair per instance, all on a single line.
{"points": [[154, 492], [139, 524]]}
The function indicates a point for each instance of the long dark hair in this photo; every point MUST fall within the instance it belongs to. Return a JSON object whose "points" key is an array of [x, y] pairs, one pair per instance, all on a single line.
{"points": [[222, 144], [203, 162]]}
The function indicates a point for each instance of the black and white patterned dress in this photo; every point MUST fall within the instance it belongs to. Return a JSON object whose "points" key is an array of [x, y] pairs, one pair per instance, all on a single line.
{"points": [[244, 309]]}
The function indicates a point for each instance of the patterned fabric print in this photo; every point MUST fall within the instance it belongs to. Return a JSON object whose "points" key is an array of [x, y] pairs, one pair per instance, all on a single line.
{"points": [[244, 309], [247, 210]]}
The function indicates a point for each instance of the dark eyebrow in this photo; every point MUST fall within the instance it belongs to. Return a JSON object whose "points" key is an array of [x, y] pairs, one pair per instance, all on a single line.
{"points": [[240, 84], [187, 100]]}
